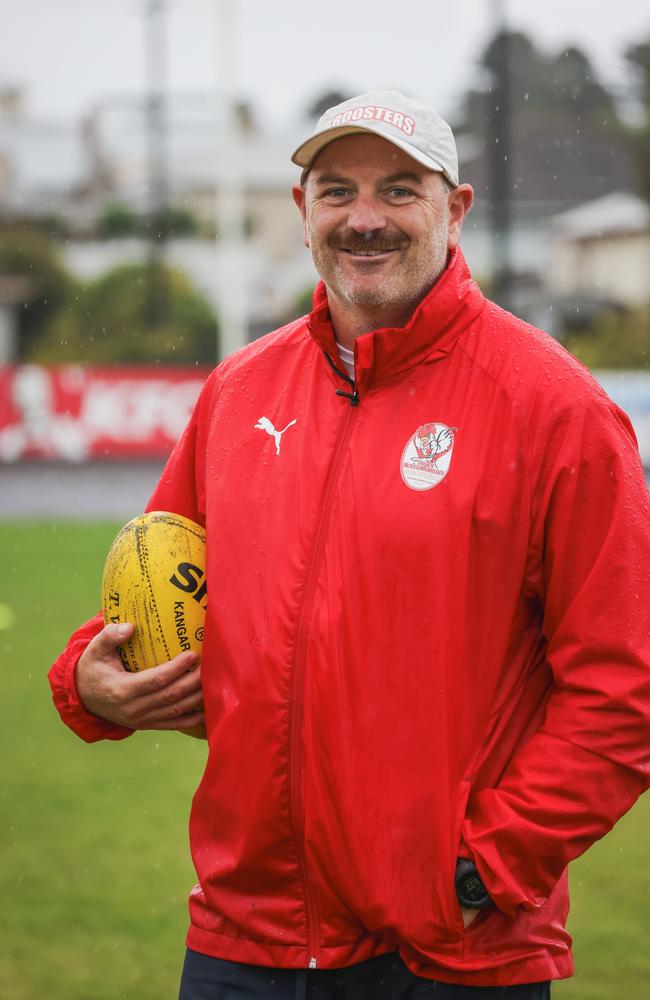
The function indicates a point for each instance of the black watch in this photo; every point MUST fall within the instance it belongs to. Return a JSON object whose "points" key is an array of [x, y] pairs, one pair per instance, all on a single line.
{"points": [[470, 890]]}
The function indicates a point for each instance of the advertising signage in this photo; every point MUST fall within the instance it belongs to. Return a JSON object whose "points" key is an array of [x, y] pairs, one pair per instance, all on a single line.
{"points": [[76, 413]]}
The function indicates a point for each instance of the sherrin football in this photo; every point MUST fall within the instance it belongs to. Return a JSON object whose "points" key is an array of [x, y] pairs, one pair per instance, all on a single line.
{"points": [[154, 577]]}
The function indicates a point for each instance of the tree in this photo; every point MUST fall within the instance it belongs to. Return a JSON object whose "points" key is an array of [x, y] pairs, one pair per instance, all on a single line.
{"points": [[614, 340], [108, 323], [564, 81], [563, 125], [639, 58], [303, 303], [172, 221], [117, 219], [574, 87], [27, 253]]}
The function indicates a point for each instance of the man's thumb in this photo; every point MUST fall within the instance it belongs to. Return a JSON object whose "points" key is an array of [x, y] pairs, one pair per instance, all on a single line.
{"points": [[112, 635]]}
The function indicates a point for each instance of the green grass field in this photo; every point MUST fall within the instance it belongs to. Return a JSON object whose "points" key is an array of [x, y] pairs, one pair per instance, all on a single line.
{"points": [[95, 864]]}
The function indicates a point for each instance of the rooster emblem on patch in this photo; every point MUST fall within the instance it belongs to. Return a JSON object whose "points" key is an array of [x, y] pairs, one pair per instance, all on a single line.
{"points": [[432, 441]]}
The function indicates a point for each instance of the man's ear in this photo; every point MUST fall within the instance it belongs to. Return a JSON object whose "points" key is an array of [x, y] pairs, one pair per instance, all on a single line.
{"points": [[300, 197], [459, 202]]}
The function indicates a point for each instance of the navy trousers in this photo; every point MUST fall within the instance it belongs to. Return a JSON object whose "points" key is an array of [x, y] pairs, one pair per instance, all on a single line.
{"points": [[383, 978]]}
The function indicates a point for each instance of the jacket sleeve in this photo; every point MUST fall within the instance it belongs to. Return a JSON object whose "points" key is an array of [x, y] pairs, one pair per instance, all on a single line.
{"points": [[590, 759], [181, 491]]}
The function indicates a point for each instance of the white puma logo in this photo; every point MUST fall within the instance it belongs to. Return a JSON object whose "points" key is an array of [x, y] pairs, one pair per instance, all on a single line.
{"points": [[264, 424]]}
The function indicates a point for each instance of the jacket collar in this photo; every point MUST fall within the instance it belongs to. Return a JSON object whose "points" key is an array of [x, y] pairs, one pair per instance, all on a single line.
{"points": [[435, 325]]}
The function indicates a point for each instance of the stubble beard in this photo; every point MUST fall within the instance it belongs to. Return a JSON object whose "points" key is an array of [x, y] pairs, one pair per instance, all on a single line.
{"points": [[402, 290]]}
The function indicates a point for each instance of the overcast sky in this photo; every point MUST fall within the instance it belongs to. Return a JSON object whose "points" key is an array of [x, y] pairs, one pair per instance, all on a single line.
{"points": [[72, 54]]}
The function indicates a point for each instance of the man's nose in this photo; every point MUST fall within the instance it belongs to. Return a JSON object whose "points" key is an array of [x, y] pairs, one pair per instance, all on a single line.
{"points": [[366, 215]]}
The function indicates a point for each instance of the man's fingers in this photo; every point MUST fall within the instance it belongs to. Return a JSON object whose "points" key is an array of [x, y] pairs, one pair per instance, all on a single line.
{"points": [[163, 693], [186, 686], [160, 677], [171, 711]]}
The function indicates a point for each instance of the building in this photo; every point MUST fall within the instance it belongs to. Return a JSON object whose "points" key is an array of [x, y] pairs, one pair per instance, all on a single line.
{"points": [[601, 249]]}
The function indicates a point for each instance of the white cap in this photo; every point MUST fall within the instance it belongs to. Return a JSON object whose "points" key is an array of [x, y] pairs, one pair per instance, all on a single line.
{"points": [[408, 124]]}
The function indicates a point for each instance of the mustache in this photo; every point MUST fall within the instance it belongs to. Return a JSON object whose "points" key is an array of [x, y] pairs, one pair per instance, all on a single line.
{"points": [[373, 240]]}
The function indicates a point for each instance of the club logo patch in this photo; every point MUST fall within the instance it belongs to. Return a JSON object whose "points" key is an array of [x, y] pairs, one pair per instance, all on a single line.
{"points": [[427, 456]]}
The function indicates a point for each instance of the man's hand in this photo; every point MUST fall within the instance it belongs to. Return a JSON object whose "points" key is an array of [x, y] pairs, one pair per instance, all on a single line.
{"points": [[166, 697], [468, 916]]}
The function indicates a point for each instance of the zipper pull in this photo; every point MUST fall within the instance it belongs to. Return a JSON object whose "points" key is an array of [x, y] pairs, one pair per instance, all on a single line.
{"points": [[352, 396], [313, 963]]}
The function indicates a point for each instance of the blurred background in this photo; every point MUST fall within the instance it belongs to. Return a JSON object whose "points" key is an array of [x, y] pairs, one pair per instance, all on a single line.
{"points": [[146, 231]]}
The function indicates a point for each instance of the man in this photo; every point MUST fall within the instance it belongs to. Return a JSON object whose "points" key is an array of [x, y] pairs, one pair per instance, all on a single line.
{"points": [[426, 663]]}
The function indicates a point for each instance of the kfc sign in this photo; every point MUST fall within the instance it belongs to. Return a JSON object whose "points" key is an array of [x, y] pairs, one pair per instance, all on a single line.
{"points": [[77, 413]]}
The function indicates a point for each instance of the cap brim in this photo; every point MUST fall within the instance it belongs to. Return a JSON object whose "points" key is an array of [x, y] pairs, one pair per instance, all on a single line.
{"points": [[307, 152]]}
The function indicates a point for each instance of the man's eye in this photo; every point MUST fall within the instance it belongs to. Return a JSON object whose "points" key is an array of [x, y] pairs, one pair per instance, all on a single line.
{"points": [[336, 193], [399, 193]]}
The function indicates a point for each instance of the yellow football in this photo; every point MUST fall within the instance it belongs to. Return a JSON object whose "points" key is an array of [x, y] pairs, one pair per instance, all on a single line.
{"points": [[154, 577]]}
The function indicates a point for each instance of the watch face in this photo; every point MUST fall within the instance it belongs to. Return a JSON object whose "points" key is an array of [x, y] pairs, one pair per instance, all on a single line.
{"points": [[472, 888]]}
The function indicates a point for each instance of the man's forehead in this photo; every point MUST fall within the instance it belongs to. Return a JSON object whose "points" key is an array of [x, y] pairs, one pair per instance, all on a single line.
{"points": [[361, 151]]}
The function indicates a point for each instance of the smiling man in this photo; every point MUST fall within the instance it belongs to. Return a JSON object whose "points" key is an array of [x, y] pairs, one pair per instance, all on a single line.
{"points": [[425, 673], [380, 226]]}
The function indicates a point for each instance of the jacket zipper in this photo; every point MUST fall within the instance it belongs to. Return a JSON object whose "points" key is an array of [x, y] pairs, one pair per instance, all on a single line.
{"points": [[352, 396], [295, 791]]}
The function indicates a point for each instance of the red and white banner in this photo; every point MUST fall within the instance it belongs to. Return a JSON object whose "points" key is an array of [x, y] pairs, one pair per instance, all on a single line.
{"points": [[75, 413]]}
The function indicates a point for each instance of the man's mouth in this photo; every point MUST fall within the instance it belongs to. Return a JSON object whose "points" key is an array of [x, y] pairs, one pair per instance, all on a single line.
{"points": [[368, 253]]}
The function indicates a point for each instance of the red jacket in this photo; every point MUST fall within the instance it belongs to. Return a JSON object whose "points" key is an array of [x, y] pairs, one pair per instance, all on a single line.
{"points": [[427, 636]]}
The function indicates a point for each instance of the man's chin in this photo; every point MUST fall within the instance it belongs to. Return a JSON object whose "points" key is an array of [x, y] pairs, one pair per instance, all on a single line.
{"points": [[368, 293], [370, 298]]}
